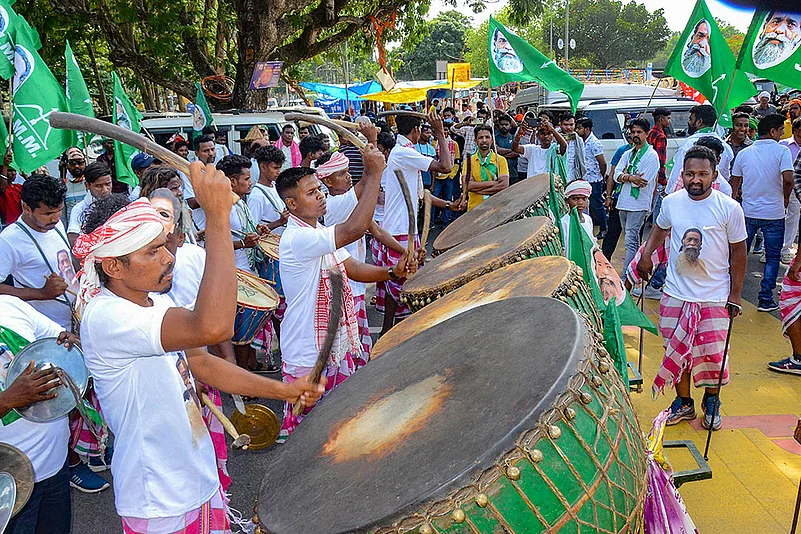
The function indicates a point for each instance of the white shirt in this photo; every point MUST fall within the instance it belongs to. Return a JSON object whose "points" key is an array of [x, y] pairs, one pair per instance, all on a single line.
{"points": [[265, 204], [190, 262], [537, 158], [287, 150], [649, 168], [410, 162], [363, 119], [20, 258], [592, 149], [726, 158], [301, 250], [586, 224], [721, 222], [761, 166], [135, 193], [241, 255], [45, 444], [164, 463], [338, 209], [76, 215]]}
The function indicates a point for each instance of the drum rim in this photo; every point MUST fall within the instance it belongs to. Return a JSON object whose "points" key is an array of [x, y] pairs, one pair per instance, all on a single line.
{"points": [[545, 233], [22, 497], [266, 285]]}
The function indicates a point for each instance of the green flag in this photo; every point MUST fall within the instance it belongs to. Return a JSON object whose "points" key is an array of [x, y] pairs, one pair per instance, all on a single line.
{"points": [[703, 60], [78, 98], [512, 59], [772, 47], [556, 212], [201, 114], [614, 342], [36, 95], [12, 25], [126, 115]]}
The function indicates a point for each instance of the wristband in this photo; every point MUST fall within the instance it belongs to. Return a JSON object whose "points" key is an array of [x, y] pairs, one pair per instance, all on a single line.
{"points": [[392, 275]]}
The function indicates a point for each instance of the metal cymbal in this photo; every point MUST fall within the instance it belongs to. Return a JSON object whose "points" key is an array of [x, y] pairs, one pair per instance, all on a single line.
{"points": [[260, 423], [17, 464], [8, 494]]}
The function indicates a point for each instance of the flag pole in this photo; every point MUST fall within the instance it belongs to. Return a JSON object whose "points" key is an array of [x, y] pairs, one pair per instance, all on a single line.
{"points": [[653, 94], [725, 100], [10, 145]]}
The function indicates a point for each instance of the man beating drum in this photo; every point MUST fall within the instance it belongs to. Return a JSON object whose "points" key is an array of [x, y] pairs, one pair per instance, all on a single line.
{"points": [[134, 338]]}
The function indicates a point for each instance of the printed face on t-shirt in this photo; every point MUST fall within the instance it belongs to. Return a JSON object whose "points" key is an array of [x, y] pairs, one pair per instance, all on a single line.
{"points": [[689, 262], [66, 270]]}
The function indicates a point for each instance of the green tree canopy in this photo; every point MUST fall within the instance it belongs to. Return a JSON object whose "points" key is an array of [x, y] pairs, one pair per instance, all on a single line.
{"points": [[443, 40]]}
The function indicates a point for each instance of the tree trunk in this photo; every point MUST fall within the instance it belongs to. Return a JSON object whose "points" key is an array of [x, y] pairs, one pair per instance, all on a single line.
{"points": [[100, 89], [255, 30]]}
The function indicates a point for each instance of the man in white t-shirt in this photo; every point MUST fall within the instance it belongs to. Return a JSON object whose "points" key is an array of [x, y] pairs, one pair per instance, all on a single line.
{"points": [[764, 170], [343, 197], [706, 268], [595, 171], [309, 252], [204, 153], [637, 173], [97, 178], [701, 122], [540, 157], [45, 444], [363, 118], [143, 354], [396, 217]]}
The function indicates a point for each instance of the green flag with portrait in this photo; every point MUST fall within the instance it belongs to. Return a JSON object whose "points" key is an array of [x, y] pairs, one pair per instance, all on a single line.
{"points": [[201, 114], [772, 47], [703, 60], [512, 59], [128, 116]]}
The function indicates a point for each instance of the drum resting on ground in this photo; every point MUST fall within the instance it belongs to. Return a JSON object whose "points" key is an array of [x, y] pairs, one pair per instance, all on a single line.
{"points": [[547, 276], [483, 423], [505, 245]]}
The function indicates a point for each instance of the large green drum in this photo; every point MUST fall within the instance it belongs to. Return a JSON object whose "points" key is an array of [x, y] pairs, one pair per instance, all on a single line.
{"points": [[487, 252], [507, 418], [527, 198]]}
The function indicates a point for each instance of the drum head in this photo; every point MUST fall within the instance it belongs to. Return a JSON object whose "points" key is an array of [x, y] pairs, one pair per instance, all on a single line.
{"points": [[8, 495], [467, 261], [537, 277], [15, 463], [495, 211], [44, 352], [255, 292], [421, 422]]}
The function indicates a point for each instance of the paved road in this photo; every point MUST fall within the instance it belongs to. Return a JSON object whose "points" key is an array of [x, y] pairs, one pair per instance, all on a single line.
{"points": [[95, 513]]}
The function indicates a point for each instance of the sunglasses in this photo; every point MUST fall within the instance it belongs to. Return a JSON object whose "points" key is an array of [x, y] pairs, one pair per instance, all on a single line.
{"points": [[76, 161]]}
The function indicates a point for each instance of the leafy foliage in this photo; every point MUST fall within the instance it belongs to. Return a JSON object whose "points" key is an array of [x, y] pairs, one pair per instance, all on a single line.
{"points": [[443, 39]]}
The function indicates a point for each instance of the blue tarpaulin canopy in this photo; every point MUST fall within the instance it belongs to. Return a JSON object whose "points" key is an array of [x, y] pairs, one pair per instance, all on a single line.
{"points": [[337, 91]]}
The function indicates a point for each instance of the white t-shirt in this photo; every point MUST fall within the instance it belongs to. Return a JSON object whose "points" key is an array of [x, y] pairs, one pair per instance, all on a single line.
{"points": [[338, 209], [20, 258], [648, 166], [265, 205], [76, 215], [190, 262], [720, 220], [726, 158], [287, 150], [45, 444], [537, 158], [241, 255], [301, 250], [363, 119], [164, 463], [592, 149], [761, 166], [410, 162]]}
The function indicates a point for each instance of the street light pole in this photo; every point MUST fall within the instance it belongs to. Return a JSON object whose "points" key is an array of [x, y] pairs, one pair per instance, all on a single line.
{"points": [[567, 36]]}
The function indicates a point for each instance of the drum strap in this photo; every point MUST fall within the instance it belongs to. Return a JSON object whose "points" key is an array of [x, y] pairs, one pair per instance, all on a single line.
{"points": [[270, 200], [44, 258]]}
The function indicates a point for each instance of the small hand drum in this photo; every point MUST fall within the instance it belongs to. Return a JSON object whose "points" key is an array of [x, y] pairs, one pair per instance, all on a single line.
{"points": [[46, 353], [19, 467]]}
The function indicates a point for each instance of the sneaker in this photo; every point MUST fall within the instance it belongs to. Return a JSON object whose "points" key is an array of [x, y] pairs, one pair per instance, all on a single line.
{"points": [[768, 306], [637, 291], [680, 411], [709, 408], [653, 293], [788, 365], [600, 236], [83, 479], [98, 464], [787, 258], [763, 258]]}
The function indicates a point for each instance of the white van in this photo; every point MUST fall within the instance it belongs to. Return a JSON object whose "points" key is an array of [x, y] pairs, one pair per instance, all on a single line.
{"points": [[609, 116]]}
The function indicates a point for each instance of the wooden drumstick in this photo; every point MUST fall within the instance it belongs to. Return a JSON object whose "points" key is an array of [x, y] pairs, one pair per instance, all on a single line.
{"points": [[345, 124], [407, 198], [344, 132], [426, 217], [241, 441], [405, 112], [334, 316], [72, 121], [68, 290]]}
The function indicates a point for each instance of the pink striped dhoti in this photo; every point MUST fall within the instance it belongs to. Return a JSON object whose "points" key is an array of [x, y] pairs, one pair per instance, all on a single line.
{"points": [[695, 339], [789, 302], [364, 331], [217, 433], [210, 518], [385, 257]]}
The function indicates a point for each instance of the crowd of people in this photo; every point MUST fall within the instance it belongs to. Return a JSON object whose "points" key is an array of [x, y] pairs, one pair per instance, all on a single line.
{"points": [[144, 277]]}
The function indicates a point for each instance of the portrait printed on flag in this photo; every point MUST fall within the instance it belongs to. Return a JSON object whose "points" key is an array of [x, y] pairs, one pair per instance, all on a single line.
{"points": [[504, 55], [779, 38], [609, 281], [697, 58]]}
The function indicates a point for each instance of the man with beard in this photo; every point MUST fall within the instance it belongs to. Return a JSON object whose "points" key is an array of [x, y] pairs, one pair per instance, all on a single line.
{"points": [[71, 168], [780, 38], [794, 206], [291, 149], [575, 147], [204, 153], [596, 170], [98, 184], [503, 144], [489, 173], [690, 262], [765, 172], [793, 112], [700, 123], [695, 310], [738, 138], [697, 58], [425, 146], [764, 108], [504, 55]]}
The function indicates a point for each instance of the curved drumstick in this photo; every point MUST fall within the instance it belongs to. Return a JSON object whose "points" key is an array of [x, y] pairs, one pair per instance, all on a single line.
{"points": [[334, 316], [72, 121], [241, 441], [344, 132], [426, 217], [405, 112], [407, 198], [345, 124]]}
